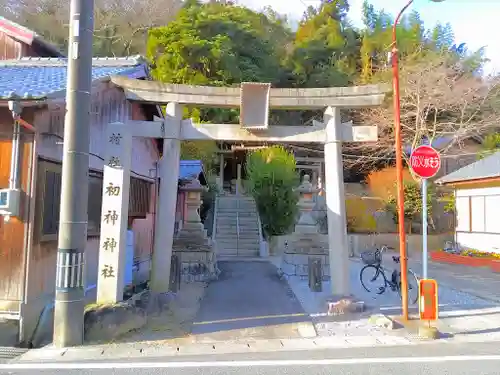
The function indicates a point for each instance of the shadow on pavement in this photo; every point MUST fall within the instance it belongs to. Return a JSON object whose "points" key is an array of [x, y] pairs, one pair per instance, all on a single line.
{"points": [[251, 299]]}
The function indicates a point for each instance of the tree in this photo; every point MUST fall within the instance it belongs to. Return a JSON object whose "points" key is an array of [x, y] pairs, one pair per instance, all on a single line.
{"points": [[272, 177], [217, 45], [325, 50], [214, 44], [120, 26], [442, 99], [412, 204], [491, 145]]}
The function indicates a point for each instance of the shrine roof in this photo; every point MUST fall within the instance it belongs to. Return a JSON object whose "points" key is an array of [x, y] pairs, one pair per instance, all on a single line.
{"points": [[189, 169]]}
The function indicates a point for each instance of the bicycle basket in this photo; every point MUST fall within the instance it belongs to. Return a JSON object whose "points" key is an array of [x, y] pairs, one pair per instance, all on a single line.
{"points": [[371, 257]]}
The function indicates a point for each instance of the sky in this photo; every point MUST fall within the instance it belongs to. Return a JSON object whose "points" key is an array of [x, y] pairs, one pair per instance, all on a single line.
{"points": [[473, 21]]}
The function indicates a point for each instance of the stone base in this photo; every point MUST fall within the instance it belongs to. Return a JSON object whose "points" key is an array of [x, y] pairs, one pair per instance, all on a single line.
{"points": [[106, 322], [103, 323], [299, 247], [429, 333], [198, 259]]}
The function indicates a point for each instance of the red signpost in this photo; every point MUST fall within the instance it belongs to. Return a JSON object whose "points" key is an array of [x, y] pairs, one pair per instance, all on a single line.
{"points": [[425, 161], [428, 303]]}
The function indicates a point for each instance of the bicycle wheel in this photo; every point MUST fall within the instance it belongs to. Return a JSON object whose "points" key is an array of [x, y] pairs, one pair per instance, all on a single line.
{"points": [[372, 278], [412, 287]]}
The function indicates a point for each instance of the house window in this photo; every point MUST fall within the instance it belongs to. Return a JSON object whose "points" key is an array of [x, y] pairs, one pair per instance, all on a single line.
{"points": [[49, 201], [140, 197], [492, 206], [477, 214], [463, 214]]}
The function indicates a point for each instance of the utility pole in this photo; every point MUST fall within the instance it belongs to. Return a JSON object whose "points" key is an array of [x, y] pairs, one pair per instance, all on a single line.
{"points": [[73, 217]]}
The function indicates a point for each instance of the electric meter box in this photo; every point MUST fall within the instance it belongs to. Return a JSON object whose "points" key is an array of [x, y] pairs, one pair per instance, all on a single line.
{"points": [[10, 202]]}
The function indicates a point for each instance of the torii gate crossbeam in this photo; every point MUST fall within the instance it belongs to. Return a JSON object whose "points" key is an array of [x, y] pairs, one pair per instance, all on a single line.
{"points": [[331, 132]]}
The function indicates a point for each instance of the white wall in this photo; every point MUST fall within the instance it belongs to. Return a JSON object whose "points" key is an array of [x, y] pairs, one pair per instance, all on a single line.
{"points": [[479, 241], [478, 223]]}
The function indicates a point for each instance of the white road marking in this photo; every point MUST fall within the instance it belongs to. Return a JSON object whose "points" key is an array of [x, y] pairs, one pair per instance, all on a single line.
{"points": [[258, 363]]}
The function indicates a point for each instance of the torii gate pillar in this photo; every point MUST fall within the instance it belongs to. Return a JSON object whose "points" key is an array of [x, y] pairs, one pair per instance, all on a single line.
{"points": [[335, 203], [167, 202]]}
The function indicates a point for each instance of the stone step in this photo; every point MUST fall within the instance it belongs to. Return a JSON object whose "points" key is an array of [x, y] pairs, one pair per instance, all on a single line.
{"points": [[223, 238], [234, 249], [234, 231], [240, 242], [226, 234], [234, 228], [241, 219], [238, 255], [229, 214], [241, 199], [233, 224]]}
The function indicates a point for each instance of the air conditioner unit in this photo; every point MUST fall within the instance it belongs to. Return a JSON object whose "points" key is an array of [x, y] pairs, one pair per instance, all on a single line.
{"points": [[10, 202]]}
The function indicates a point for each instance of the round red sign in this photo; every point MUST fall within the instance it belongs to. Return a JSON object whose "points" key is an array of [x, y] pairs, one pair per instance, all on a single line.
{"points": [[425, 161]]}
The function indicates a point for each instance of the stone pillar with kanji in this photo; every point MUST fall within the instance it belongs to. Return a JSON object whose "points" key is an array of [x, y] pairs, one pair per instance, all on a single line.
{"points": [[114, 216], [192, 245]]}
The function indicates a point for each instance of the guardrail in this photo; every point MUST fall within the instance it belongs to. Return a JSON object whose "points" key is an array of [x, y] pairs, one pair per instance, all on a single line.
{"points": [[262, 242], [214, 223]]}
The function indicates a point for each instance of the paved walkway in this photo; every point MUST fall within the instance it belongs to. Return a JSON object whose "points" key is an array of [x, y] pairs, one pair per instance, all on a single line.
{"points": [[457, 308], [249, 301], [480, 282]]}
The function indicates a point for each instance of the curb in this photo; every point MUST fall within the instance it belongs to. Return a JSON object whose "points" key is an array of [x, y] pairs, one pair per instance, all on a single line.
{"points": [[171, 349], [413, 327]]}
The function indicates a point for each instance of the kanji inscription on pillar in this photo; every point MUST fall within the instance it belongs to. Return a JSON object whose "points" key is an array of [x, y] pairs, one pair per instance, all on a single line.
{"points": [[114, 214]]}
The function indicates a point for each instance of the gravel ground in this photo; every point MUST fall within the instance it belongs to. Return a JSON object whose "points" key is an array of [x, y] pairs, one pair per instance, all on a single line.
{"points": [[450, 301]]}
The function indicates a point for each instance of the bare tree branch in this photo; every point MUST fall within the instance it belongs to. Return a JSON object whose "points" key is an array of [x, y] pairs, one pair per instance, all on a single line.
{"points": [[440, 99], [120, 26]]}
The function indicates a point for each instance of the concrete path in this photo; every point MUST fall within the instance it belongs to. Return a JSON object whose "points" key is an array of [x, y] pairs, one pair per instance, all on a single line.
{"points": [[249, 301], [480, 282]]}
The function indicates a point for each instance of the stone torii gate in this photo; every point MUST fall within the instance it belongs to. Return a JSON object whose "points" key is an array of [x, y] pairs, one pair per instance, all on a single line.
{"points": [[254, 101]]}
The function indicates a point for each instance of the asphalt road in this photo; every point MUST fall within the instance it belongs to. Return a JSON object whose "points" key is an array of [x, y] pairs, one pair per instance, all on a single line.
{"points": [[428, 359]]}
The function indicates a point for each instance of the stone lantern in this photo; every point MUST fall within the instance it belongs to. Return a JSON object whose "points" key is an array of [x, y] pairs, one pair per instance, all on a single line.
{"points": [[192, 245], [193, 192], [306, 223]]}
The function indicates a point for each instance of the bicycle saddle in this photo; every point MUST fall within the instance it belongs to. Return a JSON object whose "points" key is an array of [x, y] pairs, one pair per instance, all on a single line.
{"points": [[396, 259]]}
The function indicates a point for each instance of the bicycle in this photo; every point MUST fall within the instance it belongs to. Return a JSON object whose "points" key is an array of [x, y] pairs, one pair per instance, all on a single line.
{"points": [[373, 261]]}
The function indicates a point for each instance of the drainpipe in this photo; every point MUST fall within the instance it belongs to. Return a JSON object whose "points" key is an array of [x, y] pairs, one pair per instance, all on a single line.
{"points": [[15, 163]]}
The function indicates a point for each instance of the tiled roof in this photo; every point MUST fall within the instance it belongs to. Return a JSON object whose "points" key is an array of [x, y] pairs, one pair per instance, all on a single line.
{"points": [[488, 167], [41, 78], [189, 169]]}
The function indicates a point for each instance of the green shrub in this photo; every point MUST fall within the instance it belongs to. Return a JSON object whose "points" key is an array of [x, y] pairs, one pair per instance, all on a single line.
{"points": [[272, 177], [412, 204]]}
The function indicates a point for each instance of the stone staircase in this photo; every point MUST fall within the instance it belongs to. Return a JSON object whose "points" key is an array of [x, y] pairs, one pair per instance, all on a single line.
{"points": [[237, 227]]}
